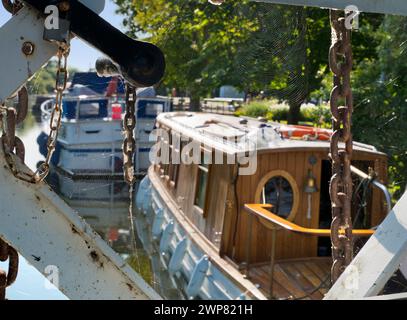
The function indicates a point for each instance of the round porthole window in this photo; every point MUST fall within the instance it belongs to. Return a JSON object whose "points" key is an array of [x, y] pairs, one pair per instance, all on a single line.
{"points": [[279, 190]]}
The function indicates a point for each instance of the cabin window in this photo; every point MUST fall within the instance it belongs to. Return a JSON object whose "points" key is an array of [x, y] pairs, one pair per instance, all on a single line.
{"points": [[202, 180], [89, 109], [149, 108], [278, 192], [202, 183], [92, 109], [175, 157], [279, 189], [163, 139], [166, 153], [154, 109]]}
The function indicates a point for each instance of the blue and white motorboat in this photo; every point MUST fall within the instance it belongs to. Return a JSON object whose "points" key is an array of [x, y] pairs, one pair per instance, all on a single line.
{"points": [[90, 139]]}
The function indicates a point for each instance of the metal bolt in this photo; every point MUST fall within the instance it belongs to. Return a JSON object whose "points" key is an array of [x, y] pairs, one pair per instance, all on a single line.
{"points": [[64, 6], [28, 48]]}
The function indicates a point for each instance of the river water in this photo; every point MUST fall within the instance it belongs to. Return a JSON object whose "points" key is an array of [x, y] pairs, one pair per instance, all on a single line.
{"points": [[102, 203]]}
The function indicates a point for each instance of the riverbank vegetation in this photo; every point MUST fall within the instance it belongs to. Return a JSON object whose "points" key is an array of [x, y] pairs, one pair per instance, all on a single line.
{"points": [[272, 110]]}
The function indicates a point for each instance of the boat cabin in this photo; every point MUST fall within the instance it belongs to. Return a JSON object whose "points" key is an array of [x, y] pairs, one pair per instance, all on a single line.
{"points": [[257, 194], [91, 134]]}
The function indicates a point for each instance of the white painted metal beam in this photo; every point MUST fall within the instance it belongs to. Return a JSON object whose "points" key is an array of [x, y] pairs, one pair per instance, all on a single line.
{"points": [[47, 232], [15, 67], [378, 260], [396, 7], [396, 296]]}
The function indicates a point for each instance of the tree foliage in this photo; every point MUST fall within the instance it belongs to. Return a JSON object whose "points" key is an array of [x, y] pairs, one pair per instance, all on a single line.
{"points": [[380, 91], [253, 46], [43, 81], [284, 51], [279, 49]]}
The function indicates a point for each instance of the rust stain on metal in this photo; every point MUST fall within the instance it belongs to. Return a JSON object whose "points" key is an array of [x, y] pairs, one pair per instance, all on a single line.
{"points": [[29, 72], [95, 258], [73, 229]]}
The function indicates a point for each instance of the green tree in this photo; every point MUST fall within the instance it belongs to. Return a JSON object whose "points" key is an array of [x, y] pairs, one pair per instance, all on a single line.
{"points": [[198, 39], [43, 82], [380, 92], [281, 50], [288, 53]]}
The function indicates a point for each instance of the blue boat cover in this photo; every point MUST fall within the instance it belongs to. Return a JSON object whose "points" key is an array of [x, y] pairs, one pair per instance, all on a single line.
{"points": [[94, 82]]}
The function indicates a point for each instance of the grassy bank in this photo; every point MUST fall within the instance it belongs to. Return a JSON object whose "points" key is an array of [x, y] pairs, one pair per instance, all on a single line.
{"points": [[274, 111]]}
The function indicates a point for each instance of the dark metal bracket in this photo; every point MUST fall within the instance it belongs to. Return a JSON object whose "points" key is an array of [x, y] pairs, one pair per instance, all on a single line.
{"points": [[140, 63]]}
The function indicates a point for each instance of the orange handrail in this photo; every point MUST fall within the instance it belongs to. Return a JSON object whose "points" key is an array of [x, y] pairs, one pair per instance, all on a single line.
{"points": [[260, 211]]}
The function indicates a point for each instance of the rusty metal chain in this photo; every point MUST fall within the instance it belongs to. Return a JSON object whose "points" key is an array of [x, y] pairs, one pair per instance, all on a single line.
{"points": [[12, 6], [129, 148], [129, 142], [341, 102], [12, 145], [7, 279], [56, 115]]}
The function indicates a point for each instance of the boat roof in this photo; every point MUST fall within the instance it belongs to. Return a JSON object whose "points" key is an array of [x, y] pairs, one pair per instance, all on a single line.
{"points": [[231, 134], [94, 82]]}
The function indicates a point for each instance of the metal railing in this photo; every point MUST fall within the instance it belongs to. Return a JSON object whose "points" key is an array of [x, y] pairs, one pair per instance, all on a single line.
{"points": [[272, 222], [375, 183], [221, 105]]}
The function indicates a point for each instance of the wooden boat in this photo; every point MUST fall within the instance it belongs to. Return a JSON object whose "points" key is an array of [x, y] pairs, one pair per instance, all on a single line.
{"points": [[224, 234]]}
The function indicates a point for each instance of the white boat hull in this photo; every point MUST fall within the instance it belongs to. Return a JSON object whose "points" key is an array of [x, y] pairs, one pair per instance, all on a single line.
{"points": [[97, 158], [189, 268]]}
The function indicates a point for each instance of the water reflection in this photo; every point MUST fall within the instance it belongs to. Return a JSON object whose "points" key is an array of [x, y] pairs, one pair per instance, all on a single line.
{"points": [[103, 203]]}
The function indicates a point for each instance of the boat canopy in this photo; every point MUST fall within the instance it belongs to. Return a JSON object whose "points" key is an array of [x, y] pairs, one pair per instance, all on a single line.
{"points": [[95, 83]]}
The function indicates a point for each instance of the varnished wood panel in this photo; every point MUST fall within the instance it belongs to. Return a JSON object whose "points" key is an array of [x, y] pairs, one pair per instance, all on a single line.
{"points": [[225, 217], [289, 245], [295, 163]]}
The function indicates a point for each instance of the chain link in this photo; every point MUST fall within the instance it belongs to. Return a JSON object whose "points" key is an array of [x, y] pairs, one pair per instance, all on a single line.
{"points": [[12, 145], [129, 142], [129, 148], [56, 115], [340, 61], [12, 6], [7, 279]]}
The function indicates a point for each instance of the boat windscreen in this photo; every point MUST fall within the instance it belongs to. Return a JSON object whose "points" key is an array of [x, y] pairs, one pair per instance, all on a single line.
{"points": [[150, 108], [85, 109]]}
